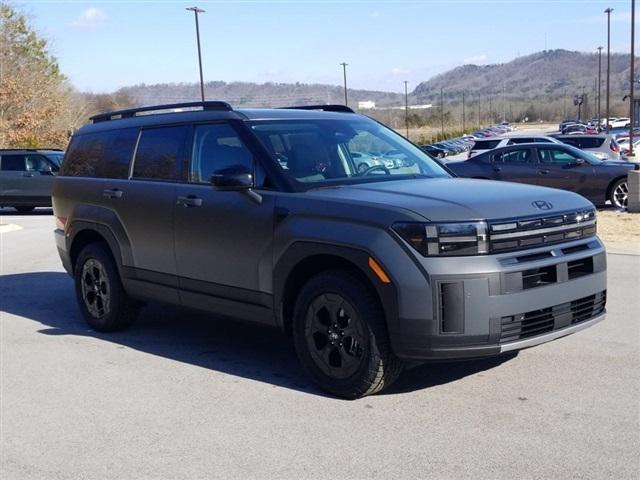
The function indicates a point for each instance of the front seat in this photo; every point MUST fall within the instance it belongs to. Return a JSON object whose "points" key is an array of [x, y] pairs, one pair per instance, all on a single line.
{"points": [[303, 163]]}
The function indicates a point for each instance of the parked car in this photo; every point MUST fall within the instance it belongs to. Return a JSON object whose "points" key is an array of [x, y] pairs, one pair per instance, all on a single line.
{"points": [[624, 145], [552, 165], [482, 146], [26, 177], [574, 128], [621, 122], [364, 161], [435, 151], [602, 146], [263, 215]]}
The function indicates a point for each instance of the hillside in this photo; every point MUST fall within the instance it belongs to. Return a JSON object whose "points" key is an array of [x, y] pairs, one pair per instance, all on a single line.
{"points": [[544, 74], [244, 94]]}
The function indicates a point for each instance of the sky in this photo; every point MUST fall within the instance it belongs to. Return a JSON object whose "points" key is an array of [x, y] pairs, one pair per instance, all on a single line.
{"points": [[102, 46]]}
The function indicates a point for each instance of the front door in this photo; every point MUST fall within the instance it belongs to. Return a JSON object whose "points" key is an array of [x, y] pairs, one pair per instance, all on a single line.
{"points": [[223, 238], [558, 168]]}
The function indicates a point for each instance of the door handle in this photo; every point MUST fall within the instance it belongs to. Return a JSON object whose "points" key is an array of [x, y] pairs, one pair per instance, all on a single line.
{"points": [[27, 174], [544, 172], [497, 169], [189, 201], [112, 193]]}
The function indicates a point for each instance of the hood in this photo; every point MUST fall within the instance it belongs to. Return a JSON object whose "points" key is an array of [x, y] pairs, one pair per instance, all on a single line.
{"points": [[458, 199]]}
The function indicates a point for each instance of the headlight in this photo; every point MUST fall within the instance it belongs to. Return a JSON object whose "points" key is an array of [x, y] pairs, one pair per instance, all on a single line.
{"points": [[445, 239]]}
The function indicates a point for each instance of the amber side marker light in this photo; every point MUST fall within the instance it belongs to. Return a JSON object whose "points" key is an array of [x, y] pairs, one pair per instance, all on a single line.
{"points": [[377, 269]]}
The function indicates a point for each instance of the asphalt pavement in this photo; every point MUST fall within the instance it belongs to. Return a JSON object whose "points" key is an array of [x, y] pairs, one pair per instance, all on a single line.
{"points": [[182, 395]]}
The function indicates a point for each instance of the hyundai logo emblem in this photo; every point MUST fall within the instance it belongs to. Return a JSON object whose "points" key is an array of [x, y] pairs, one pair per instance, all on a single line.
{"points": [[542, 205]]}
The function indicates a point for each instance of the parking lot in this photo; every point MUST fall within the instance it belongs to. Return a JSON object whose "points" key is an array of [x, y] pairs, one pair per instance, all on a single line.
{"points": [[182, 395]]}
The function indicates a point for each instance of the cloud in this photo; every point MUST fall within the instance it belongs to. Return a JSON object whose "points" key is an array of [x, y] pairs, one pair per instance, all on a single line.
{"points": [[91, 18], [399, 71], [475, 59]]}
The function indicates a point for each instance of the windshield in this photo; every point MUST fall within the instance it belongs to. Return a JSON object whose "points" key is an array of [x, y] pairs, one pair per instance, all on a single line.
{"points": [[589, 157], [321, 152], [56, 158]]}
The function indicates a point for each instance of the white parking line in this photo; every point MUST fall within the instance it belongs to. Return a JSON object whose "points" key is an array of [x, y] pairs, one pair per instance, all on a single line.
{"points": [[9, 227]]}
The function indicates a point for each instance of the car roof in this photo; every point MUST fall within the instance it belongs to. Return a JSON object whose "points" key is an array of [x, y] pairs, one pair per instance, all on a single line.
{"points": [[42, 150], [185, 113]]}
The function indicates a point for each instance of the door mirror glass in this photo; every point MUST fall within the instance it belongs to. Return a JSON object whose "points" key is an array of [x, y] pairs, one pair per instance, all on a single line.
{"points": [[235, 177]]}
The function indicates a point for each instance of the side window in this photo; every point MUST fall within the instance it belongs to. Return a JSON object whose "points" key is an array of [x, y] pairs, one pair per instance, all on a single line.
{"points": [[37, 163], [160, 153], [513, 157], [104, 154], [558, 157], [217, 146], [117, 158], [13, 163]]}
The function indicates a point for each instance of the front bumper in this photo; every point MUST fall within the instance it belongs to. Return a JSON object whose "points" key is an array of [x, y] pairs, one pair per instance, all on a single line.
{"points": [[488, 305]]}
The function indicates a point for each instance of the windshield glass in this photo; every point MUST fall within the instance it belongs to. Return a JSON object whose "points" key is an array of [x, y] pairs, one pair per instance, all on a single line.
{"points": [[589, 157], [320, 152], [56, 158]]}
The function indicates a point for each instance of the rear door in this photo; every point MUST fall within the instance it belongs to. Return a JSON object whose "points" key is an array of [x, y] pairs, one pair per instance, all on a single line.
{"points": [[26, 179], [515, 165]]}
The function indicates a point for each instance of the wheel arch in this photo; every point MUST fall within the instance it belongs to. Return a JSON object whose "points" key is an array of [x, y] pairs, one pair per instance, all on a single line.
{"points": [[305, 259]]}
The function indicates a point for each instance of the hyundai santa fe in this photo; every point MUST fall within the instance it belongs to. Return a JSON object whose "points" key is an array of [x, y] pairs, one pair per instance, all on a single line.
{"points": [[265, 215]]}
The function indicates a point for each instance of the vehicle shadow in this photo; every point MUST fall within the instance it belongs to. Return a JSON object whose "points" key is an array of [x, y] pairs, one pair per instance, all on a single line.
{"points": [[235, 348]]}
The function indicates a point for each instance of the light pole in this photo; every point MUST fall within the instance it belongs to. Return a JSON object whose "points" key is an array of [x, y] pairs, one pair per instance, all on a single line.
{"points": [[442, 112], [504, 101], [608, 12], [406, 108], [633, 57], [599, 80], [196, 11], [344, 73], [479, 123], [463, 114]]}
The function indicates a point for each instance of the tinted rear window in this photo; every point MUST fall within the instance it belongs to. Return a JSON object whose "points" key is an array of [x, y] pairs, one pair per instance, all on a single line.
{"points": [[161, 153], [591, 142], [103, 154], [485, 144], [13, 163]]}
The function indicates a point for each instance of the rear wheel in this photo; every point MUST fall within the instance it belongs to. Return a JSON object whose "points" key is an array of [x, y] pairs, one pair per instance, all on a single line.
{"points": [[341, 338], [102, 299], [619, 193], [24, 210]]}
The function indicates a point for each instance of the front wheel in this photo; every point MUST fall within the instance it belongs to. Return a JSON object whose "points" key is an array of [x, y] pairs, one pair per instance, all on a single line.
{"points": [[101, 296], [619, 193], [341, 338]]}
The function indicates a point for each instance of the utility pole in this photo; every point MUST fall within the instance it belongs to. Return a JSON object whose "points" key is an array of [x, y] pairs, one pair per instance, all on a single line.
{"points": [[344, 73], [608, 12], [504, 101], [406, 108], [599, 80], [632, 79], [196, 11], [463, 114], [442, 112]]}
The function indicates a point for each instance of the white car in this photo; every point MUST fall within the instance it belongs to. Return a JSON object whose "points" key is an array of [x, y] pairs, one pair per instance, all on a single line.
{"points": [[481, 146], [620, 122]]}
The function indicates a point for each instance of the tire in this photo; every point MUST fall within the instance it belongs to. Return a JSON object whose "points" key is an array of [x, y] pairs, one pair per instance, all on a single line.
{"points": [[336, 306], [24, 210], [618, 193], [101, 297]]}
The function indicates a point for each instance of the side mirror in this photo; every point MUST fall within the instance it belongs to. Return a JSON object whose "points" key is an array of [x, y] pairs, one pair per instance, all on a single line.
{"points": [[234, 178]]}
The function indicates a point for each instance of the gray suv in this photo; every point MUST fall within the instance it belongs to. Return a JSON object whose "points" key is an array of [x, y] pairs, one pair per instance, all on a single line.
{"points": [[26, 177], [265, 215]]}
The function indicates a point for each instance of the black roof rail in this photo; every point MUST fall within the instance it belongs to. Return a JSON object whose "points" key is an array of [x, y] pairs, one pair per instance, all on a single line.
{"points": [[326, 108], [131, 112], [31, 149]]}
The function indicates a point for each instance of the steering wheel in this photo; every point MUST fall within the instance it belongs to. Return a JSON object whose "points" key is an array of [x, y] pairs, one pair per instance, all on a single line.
{"points": [[366, 172]]}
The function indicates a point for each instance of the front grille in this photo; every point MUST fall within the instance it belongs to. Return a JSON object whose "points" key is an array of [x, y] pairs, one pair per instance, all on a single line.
{"points": [[518, 234], [537, 322]]}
